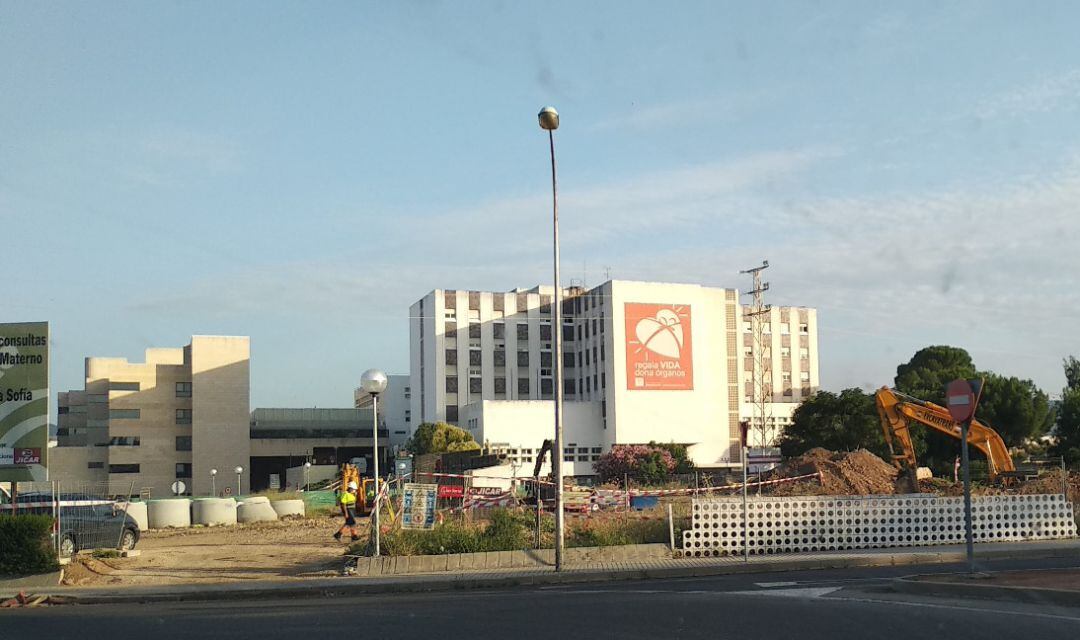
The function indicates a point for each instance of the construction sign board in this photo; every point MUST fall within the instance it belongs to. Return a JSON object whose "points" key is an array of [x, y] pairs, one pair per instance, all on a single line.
{"points": [[418, 505], [659, 348], [24, 401]]}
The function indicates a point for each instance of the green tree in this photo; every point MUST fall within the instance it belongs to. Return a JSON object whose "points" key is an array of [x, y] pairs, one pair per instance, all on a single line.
{"points": [[1015, 408], [930, 369], [840, 422], [439, 437], [1067, 428], [683, 463]]}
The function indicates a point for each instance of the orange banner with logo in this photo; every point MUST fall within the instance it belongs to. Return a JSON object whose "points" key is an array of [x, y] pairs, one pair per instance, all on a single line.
{"points": [[659, 350]]}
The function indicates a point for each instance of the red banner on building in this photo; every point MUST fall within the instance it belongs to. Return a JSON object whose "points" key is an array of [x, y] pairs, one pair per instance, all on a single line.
{"points": [[28, 456], [659, 351]]}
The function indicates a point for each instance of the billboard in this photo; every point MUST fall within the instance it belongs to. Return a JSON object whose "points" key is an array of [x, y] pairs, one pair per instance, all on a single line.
{"points": [[24, 401], [659, 349]]}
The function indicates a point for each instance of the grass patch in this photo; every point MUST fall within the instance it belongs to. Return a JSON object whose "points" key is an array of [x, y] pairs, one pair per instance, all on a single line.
{"points": [[105, 553], [513, 530]]}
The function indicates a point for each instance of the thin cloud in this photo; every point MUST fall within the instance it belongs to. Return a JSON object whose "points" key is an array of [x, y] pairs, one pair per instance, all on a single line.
{"points": [[1049, 93]]}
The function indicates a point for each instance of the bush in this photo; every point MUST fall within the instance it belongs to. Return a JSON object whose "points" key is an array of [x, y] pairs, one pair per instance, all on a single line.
{"points": [[647, 464], [26, 545], [613, 532]]}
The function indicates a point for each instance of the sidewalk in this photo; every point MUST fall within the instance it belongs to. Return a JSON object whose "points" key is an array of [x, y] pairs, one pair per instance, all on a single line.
{"points": [[579, 573], [1059, 587]]}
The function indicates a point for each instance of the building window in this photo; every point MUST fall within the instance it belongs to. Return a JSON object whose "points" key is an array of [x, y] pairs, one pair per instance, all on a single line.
{"points": [[497, 302], [596, 449], [475, 385], [603, 355], [545, 305], [474, 299], [804, 376], [586, 357], [95, 465], [568, 359], [123, 468], [123, 414], [183, 416], [523, 358], [498, 330], [523, 332], [500, 386], [451, 384], [124, 441], [804, 328], [569, 387], [603, 380], [804, 353], [596, 458], [594, 359], [450, 299], [522, 302], [123, 386], [450, 329], [546, 387], [183, 389], [785, 351], [545, 359], [451, 357], [474, 357], [474, 331], [545, 332], [452, 413], [183, 469], [785, 329], [61, 410], [499, 357], [523, 387], [183, 443], [786, 376]]}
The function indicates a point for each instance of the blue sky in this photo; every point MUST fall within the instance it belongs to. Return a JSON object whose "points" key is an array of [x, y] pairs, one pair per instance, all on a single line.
{"points": [[302, 172]]}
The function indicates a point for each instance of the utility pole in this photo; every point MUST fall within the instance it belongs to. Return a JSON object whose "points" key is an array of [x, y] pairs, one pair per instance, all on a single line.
{"points": [[758, 315]]}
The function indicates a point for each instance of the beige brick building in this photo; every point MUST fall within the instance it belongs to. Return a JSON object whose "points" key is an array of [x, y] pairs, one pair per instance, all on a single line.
{"points": [[176, 416]]}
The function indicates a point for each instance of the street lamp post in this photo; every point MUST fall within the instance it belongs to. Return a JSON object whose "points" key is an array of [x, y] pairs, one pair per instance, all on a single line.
{"points": [[239, 471], [213, 482], [307, 469], [549, 121], [374, 382]]}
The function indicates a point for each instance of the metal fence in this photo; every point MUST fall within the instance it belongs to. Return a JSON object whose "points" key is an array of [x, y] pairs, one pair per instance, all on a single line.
{"points": [[86, 516]]}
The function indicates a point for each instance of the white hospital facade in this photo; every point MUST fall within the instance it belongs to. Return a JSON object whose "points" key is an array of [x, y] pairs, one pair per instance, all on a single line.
{"points": [[643, 362]]}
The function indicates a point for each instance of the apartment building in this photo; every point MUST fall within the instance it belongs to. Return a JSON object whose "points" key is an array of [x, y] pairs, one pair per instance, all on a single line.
{"points": [[643, 361], [395, 410], [145, 425]]}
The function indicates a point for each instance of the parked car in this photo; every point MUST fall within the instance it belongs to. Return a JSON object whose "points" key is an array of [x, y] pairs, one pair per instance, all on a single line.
{"points": [[86, 522]]}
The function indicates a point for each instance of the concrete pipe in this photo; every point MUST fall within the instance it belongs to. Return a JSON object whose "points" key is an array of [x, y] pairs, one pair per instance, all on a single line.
{"points": [[252, 511], [288, 508], [137, 511], [213, 511], [169, 513]]}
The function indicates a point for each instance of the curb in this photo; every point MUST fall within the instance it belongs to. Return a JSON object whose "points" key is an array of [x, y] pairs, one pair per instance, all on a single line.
{"points": [[972, 590], [426, 583]]}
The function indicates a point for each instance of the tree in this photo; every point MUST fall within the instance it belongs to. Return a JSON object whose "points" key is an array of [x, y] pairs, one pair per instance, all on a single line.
{"points": [[683, 463], [1017, 409], [1067, 428], [840, 422], [439, 437], [647, 464], [930, 369]]}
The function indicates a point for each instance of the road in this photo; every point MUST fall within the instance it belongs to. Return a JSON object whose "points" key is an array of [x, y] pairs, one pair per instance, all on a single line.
{"points": [[806, 605]]}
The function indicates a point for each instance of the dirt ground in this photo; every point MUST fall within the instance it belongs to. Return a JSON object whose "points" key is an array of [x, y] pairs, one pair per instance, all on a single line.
{"points": [[285, 550]]}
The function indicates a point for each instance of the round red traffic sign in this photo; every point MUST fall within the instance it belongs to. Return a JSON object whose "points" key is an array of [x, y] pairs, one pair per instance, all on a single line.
{"points": [[960, 400]]}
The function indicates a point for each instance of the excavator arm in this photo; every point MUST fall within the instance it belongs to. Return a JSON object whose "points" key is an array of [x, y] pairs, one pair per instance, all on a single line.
{"points": [[898, 410]]}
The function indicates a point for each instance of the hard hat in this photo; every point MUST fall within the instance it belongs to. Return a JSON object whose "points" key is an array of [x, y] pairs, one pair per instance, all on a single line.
{"points": [[352, 485]]}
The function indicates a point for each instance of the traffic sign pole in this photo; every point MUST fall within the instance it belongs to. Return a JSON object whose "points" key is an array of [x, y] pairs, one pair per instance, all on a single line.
{"points": [[961, 398], [968, 534]]}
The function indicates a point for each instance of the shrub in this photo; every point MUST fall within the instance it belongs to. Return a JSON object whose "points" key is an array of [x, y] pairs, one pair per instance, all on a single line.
{"points": [[648, 464], [26, 545], [612, 532]]}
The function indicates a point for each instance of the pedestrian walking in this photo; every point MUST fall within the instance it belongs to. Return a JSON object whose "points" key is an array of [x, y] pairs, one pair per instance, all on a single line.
{"points": [[347, 500]]}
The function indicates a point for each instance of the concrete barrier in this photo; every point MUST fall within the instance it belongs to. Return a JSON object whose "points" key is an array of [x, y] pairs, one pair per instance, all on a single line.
{"points": [[255, 509], [137, 511], [287, 508], [213, 511], [174, 512]]}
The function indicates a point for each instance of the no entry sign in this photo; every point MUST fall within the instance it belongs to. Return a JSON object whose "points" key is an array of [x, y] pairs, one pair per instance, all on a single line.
{"points": [[961, 398]]}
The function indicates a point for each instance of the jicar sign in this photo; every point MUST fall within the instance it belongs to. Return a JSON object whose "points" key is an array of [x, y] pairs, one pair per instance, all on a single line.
{"points": [[24, 401]]}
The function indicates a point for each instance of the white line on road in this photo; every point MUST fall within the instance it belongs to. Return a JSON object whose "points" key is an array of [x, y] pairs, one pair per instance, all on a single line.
{"points": [[773, 585], [804, 592]]}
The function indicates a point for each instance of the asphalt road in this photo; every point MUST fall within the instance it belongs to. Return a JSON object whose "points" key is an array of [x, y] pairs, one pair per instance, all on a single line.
{"points": [[806, 605]]}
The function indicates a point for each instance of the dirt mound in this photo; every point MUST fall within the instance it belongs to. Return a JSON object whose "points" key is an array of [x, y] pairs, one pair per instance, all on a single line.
{"points": [[845, 473]]}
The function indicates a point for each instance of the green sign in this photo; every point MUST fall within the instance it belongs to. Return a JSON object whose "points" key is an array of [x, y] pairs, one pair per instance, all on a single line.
{"points": [[24, 401]]}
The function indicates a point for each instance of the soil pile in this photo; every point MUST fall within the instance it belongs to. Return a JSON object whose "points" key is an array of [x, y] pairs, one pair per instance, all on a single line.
{"points": [[842, 473]]}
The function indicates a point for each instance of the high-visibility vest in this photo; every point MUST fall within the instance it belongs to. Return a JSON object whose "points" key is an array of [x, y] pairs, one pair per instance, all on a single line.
{"points": [[347, 498]]}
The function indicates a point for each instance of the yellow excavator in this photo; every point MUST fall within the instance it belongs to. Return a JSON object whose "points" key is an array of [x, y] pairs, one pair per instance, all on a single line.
{"points": [[898, 410], [365, 498]]}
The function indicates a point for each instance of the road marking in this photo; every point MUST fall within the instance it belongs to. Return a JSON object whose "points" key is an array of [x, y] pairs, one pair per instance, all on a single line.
{"points": [[773, 585], [804, 592]]}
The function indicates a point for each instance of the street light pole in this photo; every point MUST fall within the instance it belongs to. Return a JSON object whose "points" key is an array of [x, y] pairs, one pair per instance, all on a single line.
{"points": [[549, 121], [213, 482], [374, 382], [239, 475]]}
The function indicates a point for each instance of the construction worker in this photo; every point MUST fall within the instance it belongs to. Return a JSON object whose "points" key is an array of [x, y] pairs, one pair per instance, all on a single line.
{"points": [[347, 500]]}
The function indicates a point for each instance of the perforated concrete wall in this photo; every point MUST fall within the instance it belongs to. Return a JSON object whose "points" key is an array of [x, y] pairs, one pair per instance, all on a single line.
{"points": [[823, 523]]}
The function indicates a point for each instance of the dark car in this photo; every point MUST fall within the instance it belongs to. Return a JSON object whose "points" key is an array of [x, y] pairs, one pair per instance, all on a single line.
{"points": [[86, 522]]}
